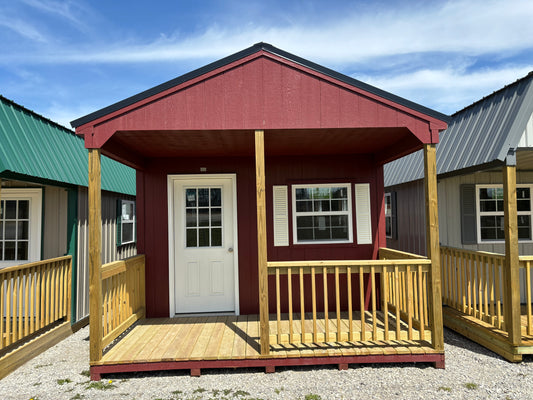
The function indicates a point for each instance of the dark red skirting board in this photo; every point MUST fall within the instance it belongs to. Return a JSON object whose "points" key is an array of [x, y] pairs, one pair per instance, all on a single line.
{"points": [[269, 364]]}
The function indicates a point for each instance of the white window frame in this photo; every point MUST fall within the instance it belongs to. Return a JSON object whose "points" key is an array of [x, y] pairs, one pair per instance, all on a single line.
{"points": [[296, 214], [35, 196], [388, 214], [133, 222], [479, 214]]}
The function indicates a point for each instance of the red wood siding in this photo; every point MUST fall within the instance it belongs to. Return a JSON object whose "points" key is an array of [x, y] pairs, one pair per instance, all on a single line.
{"points": [[153, 218], [263, 93]]}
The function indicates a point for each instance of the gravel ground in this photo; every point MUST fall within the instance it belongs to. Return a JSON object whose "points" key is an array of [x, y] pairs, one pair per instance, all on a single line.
{"points": [[471, 373]]}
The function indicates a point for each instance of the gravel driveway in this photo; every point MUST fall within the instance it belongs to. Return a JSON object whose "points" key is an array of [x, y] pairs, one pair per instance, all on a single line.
{"points": [[471, 373]]}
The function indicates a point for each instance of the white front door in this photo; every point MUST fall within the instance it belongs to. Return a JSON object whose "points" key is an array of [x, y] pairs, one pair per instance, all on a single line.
{"points": [[204, 242]]}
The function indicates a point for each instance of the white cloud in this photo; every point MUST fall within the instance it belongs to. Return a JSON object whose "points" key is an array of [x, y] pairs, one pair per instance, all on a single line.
{"points": [[22, 28]]}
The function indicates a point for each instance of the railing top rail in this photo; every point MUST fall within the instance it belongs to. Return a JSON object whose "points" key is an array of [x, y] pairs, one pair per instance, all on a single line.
{"points": [[473, 252], [345, 263], [116, 267], [400, 254], [525, 258], [33, 264]]}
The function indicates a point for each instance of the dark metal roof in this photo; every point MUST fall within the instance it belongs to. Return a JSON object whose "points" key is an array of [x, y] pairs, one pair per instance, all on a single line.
{"points": [[245, 53], [34, 147], [478, 137]]}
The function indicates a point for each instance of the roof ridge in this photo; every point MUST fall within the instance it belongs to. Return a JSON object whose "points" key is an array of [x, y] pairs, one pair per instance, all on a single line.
{"points": [[529, 75], [13, 103]]}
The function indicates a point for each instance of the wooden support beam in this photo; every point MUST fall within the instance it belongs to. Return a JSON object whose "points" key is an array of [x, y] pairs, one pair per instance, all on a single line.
{"points": [[264, 333], [95, 256], [433, 247], [511, 278]]}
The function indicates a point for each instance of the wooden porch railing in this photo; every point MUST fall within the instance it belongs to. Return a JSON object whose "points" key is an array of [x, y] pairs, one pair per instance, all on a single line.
{"points": [[473, 283], [402, 299], [123, 296], [32, 297]]}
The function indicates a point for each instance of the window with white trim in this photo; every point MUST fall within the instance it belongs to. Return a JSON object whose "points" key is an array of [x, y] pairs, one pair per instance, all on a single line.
{"points": [[322, 213], [20, 226], [388, 215], [126, 222], [490, 216]]}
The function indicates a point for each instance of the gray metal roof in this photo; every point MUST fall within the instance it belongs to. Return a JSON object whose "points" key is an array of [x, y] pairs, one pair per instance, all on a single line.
{"points": [[478, 136]]}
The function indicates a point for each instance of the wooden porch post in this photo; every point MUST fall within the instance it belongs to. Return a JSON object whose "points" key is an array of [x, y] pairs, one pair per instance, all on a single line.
{"points": [[432, 247], [264, 332], [95, 255], [511, 278]]}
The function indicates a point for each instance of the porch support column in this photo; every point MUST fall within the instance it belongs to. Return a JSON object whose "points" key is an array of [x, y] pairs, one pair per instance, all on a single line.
{"points": [[511, 276], [264, 332], [95, 256], [433, 247]]}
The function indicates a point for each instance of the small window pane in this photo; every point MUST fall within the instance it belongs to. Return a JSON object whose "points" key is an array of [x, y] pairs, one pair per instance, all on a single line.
{"points": [[10, 230], [191, 217], [190, 198], [388, 226], [339, 193], [216, 237], [321, 193], [216, 197], [11, 209], [127, 211], [487, 205], [522, 193], [304, 222], [1, 230], [1, 210], [304, 234], [523, 205], [203, 217], [303, 194], [22, 251], [127, 232], [24, 209], [1, 250], [192, 238], [203, 197], [203, 237], [304, 206], [216, 217], [339, 221], [322, 205], [23, 231], [9, 251], [339, 233]]}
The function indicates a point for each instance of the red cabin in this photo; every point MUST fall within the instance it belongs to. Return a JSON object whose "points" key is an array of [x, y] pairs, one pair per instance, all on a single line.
{"points": [[261, 222]]}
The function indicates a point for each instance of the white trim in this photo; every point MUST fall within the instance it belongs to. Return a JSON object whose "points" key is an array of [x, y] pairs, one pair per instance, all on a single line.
{"points": [[389, 214], [280, 215], [363, 216], [479, 214], [35, 196], [171, 218], [312, 213]]}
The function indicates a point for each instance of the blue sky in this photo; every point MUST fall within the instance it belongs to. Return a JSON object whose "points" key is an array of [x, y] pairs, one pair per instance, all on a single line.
{"points": [[67, 58]]}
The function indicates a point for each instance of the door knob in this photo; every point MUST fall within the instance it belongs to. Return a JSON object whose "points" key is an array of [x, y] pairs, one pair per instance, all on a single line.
{"points": [[230, 250]]}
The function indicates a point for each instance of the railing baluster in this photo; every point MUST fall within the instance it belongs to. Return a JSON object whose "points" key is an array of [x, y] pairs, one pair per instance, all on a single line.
{"points": [[397, 292], [374, 314], [421, 312], [385, 277], [313, 301], [289, 292], [490, 264], [528, 297], [326, 306], [362, 303], [337, 304], [409, 303], [2, 308], [278, 308], [20, 299], [302, 304], [350, 316], [9, 314]]}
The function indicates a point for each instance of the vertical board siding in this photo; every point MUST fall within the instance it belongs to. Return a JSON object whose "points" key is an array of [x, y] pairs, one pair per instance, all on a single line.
{"points": [[54, 222], [110, 251]]}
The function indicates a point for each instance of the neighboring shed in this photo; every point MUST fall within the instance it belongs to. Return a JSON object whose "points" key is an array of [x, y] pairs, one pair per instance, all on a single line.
{"points": [[492, 135], [43, 168], [263, 152]]}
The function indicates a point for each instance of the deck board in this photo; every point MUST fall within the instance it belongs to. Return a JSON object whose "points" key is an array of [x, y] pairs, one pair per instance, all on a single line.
{"points": [[237, 337]]}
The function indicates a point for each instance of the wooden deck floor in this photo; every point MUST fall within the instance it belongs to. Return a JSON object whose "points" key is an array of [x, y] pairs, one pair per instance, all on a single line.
{"points": [[487, 335], [233, 341]]}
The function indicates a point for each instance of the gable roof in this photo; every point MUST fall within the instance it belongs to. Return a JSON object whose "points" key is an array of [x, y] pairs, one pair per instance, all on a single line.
{"points": [[243, 54], [35, 147], [477, 137]]}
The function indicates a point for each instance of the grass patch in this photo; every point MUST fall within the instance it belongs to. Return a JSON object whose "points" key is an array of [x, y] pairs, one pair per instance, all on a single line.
{"points": [[42, 366], [63, 381], [471, 385], [445, 388], [241, 393], [199, 390], [77, 397], [312, 397], [86, 373], [101, 385]]}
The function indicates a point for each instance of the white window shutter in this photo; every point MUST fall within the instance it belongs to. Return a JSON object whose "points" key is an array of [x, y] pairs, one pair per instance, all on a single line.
{"points": [[362, 213], [281, 216]]}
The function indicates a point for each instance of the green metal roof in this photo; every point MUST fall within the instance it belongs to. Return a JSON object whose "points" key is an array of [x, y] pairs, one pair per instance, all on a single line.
{"points": [[36, 147]]}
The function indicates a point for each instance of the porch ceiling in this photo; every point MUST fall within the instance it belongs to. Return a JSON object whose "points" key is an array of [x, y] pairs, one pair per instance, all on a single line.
{"points": [[155, 144]]}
